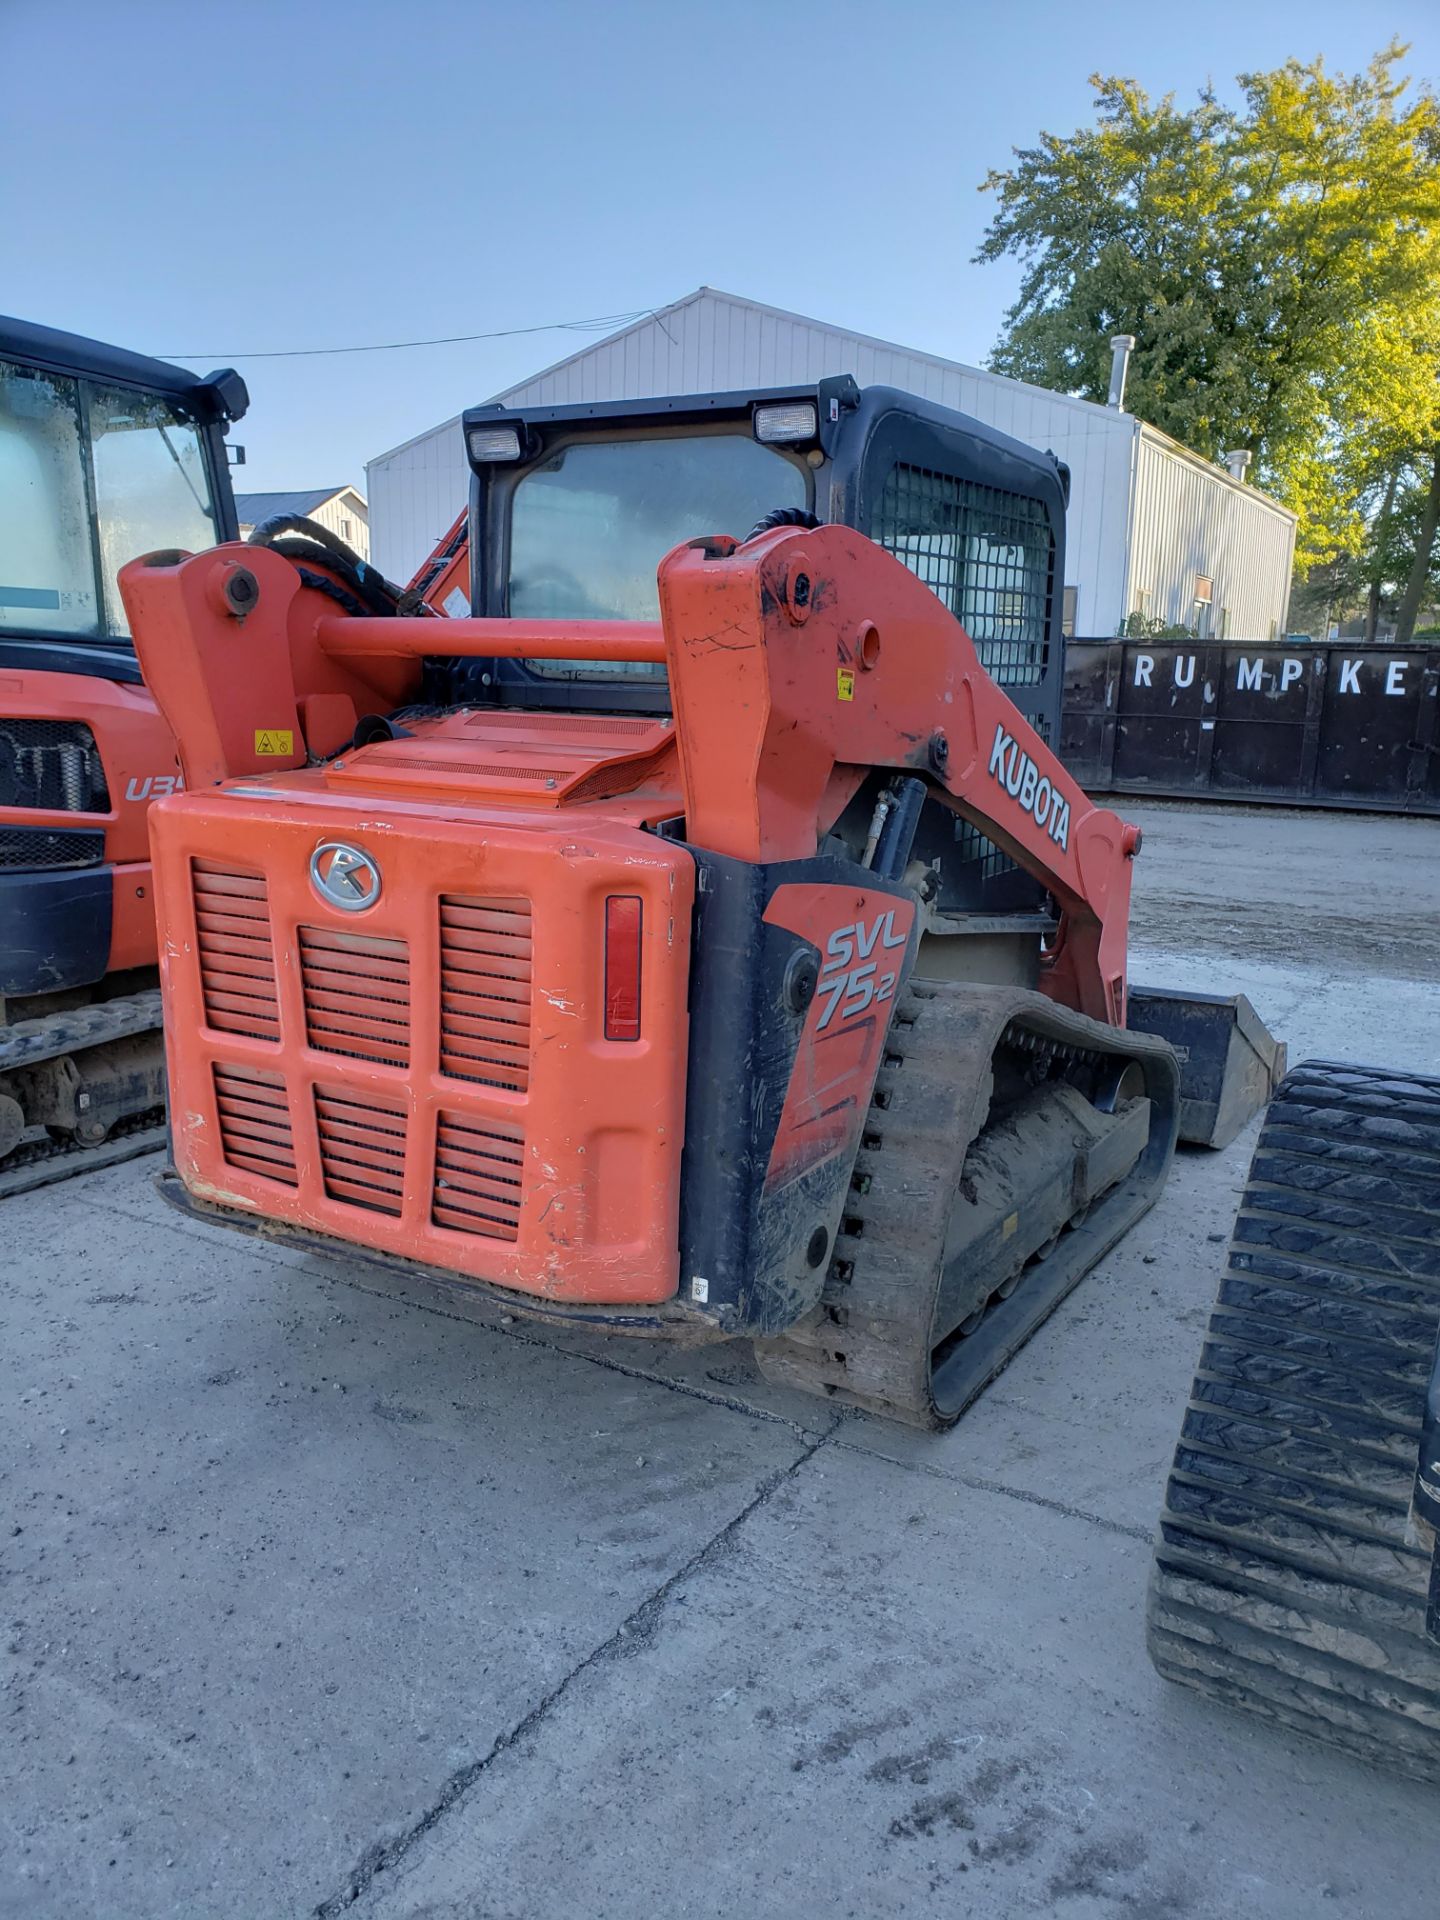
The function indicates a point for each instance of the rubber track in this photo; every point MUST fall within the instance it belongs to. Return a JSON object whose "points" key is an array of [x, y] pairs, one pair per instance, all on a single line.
{"points": [[1287, 1580], [869, 1343], [880, 1289]]}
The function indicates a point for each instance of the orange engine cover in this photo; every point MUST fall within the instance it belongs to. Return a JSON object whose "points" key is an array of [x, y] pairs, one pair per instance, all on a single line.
{"points": [[429, 1075]]}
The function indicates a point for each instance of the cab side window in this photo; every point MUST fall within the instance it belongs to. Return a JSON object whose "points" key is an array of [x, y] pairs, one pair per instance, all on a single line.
{"points": [[987, 554]]}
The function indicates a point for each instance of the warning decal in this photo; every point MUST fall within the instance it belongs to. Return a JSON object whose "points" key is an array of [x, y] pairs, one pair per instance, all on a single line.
{"points": [[844, 683], [274, 740]]}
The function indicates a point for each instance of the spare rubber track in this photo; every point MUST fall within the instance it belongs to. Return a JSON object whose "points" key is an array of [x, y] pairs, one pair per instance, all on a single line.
{"points": [[1288, 1579], [870, 1343]]}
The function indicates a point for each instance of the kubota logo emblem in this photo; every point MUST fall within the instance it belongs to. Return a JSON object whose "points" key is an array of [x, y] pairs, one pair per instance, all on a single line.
{"points": [[344, 876]]}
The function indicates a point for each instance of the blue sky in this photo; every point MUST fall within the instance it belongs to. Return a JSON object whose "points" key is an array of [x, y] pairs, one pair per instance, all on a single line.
{"points": [[200, 180]]}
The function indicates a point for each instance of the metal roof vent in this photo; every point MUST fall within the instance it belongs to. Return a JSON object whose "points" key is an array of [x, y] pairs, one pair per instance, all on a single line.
{"points": [[1122, 345], [1238, 462]]}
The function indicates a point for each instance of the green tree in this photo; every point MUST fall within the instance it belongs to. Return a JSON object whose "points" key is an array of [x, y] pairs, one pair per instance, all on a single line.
{"points": [[1278, 261]]}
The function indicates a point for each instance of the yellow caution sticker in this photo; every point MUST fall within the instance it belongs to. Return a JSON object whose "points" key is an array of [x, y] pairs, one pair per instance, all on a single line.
{"points": [[1009, 1225], [279, 741], [844, 683]]}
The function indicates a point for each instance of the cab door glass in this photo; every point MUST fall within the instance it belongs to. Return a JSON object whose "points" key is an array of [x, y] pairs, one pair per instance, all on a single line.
{"points": [[47, 560], [151, 488]]}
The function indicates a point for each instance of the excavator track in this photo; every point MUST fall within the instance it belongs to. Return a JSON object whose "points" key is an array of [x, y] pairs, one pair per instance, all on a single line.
{"points": [[1290, 1577], [82, 1033], [40, 1163], [968, 1221]]}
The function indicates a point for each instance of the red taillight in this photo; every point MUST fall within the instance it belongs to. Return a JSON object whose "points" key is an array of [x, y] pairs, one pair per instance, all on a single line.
{"points": [[622, 967]]}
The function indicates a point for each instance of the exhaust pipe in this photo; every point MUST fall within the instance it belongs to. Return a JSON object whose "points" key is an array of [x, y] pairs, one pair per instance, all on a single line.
{"points": [[1122, 345], [1238, 462]]}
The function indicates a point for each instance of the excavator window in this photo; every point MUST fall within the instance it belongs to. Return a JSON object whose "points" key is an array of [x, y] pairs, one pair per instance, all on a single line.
{"points": [[91, 476], [151, 488], [47, 561], [590, 523]]}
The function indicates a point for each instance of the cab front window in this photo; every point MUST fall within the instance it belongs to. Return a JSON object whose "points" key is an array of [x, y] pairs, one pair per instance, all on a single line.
{"points": [[90, 477], [591, 522]]}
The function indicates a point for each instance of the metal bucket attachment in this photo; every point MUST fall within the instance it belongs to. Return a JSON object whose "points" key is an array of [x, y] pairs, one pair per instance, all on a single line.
{"points": [[1230, 1062]]}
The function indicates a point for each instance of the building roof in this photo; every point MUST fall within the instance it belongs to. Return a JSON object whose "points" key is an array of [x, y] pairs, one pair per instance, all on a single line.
{"points": [[718, 295], [1101, 414], [252, 508]]}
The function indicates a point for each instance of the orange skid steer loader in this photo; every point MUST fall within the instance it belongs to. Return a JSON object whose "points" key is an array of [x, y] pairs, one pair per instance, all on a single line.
{"points": [[753, 971]]}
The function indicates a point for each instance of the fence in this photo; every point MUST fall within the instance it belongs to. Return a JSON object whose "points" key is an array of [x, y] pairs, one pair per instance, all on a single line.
{"points": [[1311, 725]]}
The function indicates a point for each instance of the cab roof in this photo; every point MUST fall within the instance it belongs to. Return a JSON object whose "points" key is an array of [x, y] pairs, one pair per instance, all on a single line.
{"points": [[220, 394]]}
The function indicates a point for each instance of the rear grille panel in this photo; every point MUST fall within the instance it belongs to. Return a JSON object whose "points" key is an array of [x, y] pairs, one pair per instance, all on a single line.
{"points": [[255, 1131], [485, 990], [357, 995], [479, 1175], [362, 1148], [236, 951]]}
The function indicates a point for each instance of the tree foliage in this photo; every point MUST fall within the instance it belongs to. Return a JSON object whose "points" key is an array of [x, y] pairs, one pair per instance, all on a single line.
{"points": [[1278, 261]]}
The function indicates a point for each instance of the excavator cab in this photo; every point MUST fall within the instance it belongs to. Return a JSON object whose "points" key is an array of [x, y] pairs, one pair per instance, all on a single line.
{"points": [[699, 936], [104, 455]]}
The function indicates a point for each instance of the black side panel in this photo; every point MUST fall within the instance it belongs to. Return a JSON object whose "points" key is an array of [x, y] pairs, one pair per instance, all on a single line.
{"points": [[748, 1245], [95, 659], [54, 930]]}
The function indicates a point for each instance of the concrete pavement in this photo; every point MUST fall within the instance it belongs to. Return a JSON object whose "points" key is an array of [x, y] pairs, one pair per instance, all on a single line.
{"points": [[316, 1598]]}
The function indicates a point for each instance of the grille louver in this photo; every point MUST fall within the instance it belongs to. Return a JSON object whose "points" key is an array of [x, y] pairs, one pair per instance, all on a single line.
{"points": [[485, 958], [255, 1131], [362, 1149], [357, 995], [237, 959], [479, 1167]]}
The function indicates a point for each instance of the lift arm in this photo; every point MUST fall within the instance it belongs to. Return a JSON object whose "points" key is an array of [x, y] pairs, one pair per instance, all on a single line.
{"points": [[809, 651], [797, 663]]}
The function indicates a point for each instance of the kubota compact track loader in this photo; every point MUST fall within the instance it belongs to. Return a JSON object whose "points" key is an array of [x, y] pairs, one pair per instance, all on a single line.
{"points": [[753, 971], [104, 454]]}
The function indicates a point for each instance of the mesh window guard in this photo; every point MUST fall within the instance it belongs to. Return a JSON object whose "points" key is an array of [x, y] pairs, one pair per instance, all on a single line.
{"points": [[988, 554]]}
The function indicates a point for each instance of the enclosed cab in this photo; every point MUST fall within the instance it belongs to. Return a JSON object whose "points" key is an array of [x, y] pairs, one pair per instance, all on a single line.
{"points": [[572, 508]]}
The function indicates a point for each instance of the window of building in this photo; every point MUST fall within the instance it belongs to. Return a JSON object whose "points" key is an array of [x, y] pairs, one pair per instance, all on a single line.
{"points": [[988, 554]]}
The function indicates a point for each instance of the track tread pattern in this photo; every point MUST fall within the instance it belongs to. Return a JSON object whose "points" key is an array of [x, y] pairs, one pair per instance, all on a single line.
{"points": [[869, 1343], [1288, 1579]]}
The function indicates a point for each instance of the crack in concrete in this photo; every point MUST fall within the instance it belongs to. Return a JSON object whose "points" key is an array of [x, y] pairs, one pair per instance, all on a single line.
{"points": [[977, 1484], [634, 1633], [525, 1337]]}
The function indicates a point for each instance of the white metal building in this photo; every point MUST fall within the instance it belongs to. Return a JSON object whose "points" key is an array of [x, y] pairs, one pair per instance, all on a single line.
{"points": [[1153, 529]]}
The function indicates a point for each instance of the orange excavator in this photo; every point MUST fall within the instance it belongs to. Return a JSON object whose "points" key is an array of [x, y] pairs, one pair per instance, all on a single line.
{"points": [[755, 969]]}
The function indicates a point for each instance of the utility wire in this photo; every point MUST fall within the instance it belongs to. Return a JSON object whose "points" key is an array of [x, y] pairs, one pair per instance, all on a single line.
{"points": [[445, 340]]}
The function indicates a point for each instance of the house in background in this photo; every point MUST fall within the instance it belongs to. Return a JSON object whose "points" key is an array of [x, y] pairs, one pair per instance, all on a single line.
{"points": [[341, 509], [1154, 532]]}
